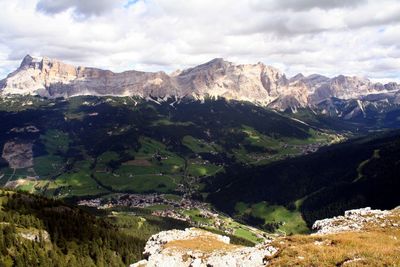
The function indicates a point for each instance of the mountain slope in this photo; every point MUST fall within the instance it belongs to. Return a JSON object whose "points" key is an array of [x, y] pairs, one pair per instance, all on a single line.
{"points": [[96, 145], [250, 158], [65, 235], [357, 173], [38, 231]]}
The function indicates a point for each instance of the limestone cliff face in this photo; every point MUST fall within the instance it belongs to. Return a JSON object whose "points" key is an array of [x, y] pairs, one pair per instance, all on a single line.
{"points": [[53, 78], [257, 83]]}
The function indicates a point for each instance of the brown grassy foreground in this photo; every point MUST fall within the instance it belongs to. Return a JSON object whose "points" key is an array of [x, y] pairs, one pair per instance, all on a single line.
{"points": [[373, 247], [204, 244], [377, 244]]}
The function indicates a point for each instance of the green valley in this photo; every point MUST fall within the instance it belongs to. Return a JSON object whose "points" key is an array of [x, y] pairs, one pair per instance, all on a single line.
{"points": [[219, 164]]}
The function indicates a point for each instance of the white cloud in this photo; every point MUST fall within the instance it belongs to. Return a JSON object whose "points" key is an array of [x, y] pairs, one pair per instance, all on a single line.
{"points": [[304, 4], [309, 36]]}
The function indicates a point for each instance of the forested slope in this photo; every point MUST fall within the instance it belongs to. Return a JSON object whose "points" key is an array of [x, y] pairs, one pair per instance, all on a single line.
{"points": [[37, 231], [358, 173]]}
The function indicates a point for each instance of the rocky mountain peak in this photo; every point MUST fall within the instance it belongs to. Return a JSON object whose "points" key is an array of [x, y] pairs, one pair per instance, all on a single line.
{"points": [[257, 83], [316, 78], [217, 61], [26, 61], [212, 65], [30, 62], [391, 86], [297, 77]]}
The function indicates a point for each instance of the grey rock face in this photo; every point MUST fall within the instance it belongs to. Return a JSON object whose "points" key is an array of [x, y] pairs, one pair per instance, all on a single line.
{"points": [[256, 83]]}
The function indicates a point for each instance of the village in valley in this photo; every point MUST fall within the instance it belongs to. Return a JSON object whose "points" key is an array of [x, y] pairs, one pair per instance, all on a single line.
{"points": [[194, 212]]}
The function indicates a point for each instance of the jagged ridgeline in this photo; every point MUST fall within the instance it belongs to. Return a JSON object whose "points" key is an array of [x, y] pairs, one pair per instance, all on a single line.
{"points": [[341, 96], [37, 231]]}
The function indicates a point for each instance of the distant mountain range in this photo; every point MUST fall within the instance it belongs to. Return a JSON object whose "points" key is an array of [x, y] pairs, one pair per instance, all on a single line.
{"points": [[258, 83]]}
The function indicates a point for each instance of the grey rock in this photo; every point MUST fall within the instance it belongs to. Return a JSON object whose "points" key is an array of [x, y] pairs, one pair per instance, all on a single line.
{"points": [[354, 220], [257, 83], [158, 254]]}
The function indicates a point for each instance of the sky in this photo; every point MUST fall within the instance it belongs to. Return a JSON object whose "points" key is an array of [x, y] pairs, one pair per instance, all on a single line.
{"points": [[329, 37]]}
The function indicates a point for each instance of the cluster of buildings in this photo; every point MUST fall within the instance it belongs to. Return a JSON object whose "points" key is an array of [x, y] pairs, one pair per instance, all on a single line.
{"points": [[143, 201]]}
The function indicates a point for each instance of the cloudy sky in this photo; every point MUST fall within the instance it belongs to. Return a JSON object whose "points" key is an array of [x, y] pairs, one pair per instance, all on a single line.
{"points": [[353, 37]]}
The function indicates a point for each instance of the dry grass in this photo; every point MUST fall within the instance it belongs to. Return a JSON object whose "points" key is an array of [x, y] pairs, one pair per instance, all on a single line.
{"points": [[378, 244], [205, 244], [376, 247]]}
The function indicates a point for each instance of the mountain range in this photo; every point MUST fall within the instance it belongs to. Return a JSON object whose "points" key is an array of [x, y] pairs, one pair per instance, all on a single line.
{"points": [[242, 151], [257, 83]]}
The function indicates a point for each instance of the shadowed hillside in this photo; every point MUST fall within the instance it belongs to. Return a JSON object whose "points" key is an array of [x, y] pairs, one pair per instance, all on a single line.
{"points": [[361, 172]]}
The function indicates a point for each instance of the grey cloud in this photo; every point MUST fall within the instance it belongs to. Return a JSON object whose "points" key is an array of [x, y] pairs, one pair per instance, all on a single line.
{"points": [[383, 65], [391, 17], [167, 34], [304, 4], [293, 24], [296, 20], [83, 8]]}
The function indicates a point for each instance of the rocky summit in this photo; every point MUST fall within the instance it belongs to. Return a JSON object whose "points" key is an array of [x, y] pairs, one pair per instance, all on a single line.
{"points": [[195, 247], [257, 83], [355, 237], [356, 220]]}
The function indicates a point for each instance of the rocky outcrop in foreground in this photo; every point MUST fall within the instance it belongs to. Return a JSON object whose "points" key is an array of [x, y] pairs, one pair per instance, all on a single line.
{"points": [[358, 219], [195, 247]]}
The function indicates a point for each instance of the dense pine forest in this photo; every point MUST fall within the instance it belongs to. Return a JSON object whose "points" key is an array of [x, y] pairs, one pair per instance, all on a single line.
{"points": [[37, 231]]}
